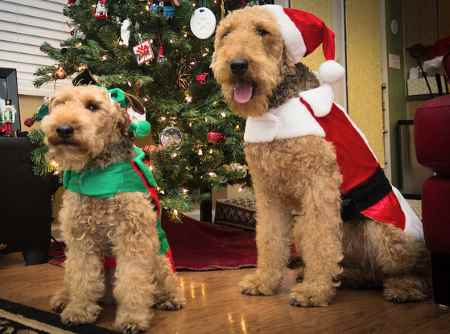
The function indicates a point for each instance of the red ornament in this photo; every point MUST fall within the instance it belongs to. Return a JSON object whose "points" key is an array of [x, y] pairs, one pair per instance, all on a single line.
{"points": [[161, 57], [215, 137], [201, 78], [101, 10], [29, 121], [143, 52], [71, 2]]}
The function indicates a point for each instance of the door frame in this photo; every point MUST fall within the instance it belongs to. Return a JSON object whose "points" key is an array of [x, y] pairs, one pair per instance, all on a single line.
{"points": [[385, 92]]}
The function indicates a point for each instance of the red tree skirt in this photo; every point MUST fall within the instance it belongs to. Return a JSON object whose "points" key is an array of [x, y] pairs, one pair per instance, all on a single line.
{"points": [[199, 246]]}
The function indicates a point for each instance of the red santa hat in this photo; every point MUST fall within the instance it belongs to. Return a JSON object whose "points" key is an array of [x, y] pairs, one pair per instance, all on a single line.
{"points": [[303, 32]]}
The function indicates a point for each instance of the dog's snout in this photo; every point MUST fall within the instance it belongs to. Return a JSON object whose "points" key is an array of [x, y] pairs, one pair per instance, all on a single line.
{"points": [[64, 131], [239, 66]]}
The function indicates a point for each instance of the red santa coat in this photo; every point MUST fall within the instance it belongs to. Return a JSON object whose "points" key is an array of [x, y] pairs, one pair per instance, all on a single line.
{"points": [[365, 188]]}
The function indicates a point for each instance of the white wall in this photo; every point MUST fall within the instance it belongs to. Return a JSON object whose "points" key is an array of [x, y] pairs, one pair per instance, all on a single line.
{"points": [[24, 26]]}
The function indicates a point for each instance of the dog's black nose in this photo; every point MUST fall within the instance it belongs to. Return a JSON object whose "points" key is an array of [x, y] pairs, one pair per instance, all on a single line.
{"points": [[239, 66], [64, 131]]}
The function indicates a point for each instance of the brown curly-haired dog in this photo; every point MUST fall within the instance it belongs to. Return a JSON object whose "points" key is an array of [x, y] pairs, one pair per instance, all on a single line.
{"points": [[86, 129], [301, 174]]}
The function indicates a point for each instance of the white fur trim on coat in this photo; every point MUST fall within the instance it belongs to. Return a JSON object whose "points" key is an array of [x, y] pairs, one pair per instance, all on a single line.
{"points": [[320, 99], [413, 225], [289, 120], [293, 39]]}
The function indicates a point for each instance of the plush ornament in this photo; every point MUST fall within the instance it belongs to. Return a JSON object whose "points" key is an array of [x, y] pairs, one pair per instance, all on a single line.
{"points": [[202, 78], [161, 57], [125, 32], [168, 11], [203, 23], [215, 137], [143, 52], [157, 8], [60, 73], [101, 10]]}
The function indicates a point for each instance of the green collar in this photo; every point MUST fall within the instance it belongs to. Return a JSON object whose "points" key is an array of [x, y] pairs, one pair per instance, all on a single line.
{"points": [[106, 182]]}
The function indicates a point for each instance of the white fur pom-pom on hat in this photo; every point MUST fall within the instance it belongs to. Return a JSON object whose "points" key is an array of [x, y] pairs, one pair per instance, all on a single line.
{"points": [[331, 72]]}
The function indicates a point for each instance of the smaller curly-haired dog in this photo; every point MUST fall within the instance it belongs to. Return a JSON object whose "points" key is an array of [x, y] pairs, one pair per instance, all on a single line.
{"points": [[306, 156], [109, 208]]}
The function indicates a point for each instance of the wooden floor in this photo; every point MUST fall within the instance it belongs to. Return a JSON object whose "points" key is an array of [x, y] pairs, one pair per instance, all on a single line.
{"points": [[214, 305]]}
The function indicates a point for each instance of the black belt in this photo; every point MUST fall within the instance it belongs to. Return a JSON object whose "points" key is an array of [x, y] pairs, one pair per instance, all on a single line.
{"points": [[365, 195]]}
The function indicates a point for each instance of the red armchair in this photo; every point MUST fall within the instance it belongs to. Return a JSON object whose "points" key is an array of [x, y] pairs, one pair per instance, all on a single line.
{"points": [[432, 138]]}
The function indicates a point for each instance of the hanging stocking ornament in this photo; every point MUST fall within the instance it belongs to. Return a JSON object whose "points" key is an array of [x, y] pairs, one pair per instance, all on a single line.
{"points": [[101, 10], [203, 23], [161, 57], [143, 52], [125, 32]]}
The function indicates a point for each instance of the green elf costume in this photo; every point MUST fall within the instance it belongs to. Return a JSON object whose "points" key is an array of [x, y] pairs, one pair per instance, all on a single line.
{"points": [[123, 176]]}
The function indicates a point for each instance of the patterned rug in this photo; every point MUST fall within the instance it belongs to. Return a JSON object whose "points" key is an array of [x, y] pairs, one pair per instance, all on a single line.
{"points": [[20, 319]]}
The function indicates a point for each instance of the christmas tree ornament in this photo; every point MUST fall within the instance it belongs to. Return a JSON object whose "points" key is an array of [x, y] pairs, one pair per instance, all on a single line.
{"points": [[161, 57], [202, 78], [168, 11], [71, 3], [143, 52], [183, 76], [7, 118], [60, 73], [215, 137], [203, 23], [38, 116], [125, 32], [171, 137], [157, 8], [101, 10]]}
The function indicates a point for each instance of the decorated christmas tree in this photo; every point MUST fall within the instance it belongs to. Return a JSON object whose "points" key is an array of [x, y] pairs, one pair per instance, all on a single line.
{"points": [[160, 52]]}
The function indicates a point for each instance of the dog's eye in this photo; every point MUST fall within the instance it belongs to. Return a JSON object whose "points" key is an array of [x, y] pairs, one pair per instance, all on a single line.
{"points": [[225, 34], [261, 31], [92, 106]]}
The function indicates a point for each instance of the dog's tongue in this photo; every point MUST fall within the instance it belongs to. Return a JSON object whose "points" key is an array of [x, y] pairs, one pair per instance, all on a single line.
{"points": [[243, 92]]}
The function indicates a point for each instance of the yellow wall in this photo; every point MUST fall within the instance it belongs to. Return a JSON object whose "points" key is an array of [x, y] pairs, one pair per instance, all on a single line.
{"points": [[363, 63], [363, 23], [28, 106]]}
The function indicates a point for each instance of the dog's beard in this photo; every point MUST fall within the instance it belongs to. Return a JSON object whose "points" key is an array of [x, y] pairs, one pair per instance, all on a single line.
{"points": [[74, 153]]}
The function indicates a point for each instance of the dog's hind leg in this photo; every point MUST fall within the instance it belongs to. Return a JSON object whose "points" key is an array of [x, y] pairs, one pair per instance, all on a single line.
{"points": [[318, 237], [405, 288], [168, 295], [403, 261], [272, 239]]}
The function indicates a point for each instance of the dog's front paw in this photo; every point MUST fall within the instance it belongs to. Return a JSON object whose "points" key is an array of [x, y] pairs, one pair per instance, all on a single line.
{"points": [[129, 322], [256, 285], [75, 314], [59, 301], [174, 303], [308, 294]]}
